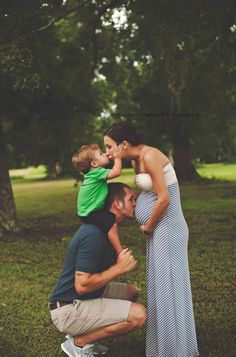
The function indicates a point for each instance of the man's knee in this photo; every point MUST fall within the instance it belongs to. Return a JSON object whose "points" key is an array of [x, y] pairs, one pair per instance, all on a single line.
{"points": [[132, 293], [137, 315]]}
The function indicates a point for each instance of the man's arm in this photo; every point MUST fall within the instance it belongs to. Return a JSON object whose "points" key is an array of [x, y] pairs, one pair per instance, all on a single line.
{"points": [[86, 282]]}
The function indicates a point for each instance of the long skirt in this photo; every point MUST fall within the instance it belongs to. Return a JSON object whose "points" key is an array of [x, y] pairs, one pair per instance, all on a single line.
{"points": [[170, 324]]}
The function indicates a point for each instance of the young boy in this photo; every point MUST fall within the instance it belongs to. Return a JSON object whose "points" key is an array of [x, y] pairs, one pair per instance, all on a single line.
{"points": [[93, 191]]}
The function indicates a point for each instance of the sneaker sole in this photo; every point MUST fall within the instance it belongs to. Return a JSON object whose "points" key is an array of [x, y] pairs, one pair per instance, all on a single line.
{"points": [[99, 353], [66, 352], [95, 353]]}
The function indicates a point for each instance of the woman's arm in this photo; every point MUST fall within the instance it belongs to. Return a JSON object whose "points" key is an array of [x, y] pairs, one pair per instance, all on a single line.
{"points": [[133, 164], [136, 193], [153, 167]]}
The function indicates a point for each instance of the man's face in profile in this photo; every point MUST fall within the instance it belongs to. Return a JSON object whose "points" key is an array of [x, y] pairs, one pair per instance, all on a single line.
{"points": [[128, 204]]}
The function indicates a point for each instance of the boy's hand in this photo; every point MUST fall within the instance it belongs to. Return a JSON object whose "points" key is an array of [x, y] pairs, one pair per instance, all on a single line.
{"points": [[117, 167], [117, 152]]}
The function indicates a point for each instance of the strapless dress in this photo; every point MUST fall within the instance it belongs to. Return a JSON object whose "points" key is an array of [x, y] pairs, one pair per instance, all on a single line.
{"points": [[170, 323], [144, 182]]}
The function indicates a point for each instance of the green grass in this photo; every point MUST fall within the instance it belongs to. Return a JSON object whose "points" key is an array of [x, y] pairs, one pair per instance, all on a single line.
{"points": [[218, 171], [29, 173], [32, 260]]}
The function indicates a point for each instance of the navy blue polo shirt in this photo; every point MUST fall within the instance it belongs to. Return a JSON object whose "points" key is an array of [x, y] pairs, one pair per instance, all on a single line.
{"points": [[89, 251]]}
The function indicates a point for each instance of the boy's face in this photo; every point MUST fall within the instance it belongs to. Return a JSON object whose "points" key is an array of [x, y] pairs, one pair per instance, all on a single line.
{"points": [[100, 158]]}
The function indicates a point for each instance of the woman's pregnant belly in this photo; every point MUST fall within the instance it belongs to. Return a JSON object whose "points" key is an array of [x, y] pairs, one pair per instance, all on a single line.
{"points": [[144, 206], [172, 219]]}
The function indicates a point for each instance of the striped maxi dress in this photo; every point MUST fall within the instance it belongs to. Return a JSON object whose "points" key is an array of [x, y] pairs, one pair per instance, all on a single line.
{"points": [[170, 324]]}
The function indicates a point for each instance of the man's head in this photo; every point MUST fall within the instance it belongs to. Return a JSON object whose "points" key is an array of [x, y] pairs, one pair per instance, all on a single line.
{"points": [[89, 156], [120, 200]]}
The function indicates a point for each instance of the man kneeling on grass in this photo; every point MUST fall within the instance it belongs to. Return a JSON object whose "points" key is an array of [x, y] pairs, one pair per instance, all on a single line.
{"points": [[85, 304]]}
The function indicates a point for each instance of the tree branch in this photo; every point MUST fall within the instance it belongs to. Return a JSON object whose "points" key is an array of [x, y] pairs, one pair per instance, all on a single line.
{"points": [[56, 19], [101, 11]]}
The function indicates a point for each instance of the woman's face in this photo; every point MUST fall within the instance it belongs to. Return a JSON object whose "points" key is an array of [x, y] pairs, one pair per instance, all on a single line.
{"points": [[110, 145]]}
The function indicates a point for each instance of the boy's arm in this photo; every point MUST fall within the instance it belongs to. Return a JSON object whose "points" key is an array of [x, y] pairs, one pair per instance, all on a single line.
{"points": [[117, 167], [116, 170]]}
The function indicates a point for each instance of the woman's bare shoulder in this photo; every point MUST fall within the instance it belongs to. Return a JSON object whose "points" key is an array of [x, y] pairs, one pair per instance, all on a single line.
{"points": [[152, 153]]}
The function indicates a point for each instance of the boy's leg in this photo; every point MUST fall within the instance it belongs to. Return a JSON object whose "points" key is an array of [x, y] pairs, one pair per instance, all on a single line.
{"points": [[102, 218], [113, 236], [106, 221]]}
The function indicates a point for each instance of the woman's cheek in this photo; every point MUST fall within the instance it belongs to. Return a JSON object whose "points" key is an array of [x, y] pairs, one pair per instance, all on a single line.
{"points": [[111, 154]]}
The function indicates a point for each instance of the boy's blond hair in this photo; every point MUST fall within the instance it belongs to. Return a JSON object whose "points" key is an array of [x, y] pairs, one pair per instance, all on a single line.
{"points": [[83, 158]]}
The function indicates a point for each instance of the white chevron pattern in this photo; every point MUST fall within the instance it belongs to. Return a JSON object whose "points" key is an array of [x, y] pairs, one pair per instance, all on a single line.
{"points": [[170, 324]]}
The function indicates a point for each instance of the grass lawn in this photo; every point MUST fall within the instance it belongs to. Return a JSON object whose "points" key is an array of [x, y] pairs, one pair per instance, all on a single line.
{"points": [[218, 171], [32, 260]]}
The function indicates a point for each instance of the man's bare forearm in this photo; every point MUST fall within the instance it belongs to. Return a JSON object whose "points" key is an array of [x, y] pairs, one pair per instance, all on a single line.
{"points": [[86, 282], [89, 282]]}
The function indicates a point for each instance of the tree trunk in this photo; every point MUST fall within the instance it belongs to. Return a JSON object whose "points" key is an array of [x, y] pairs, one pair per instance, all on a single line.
{"points": [[51, 169], [182, 157], [177, 73], [8, 219]]}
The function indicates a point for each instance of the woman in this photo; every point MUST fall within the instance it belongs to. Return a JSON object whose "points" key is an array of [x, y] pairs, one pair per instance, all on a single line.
{"points": [[170, 325]]}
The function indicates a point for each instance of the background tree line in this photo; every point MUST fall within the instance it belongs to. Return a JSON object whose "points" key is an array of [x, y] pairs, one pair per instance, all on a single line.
{"points": [[68, 69]]}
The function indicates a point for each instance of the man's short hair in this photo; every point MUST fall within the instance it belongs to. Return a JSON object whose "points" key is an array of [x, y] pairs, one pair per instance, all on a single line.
{"points": [[83, 158], [116, 190]]}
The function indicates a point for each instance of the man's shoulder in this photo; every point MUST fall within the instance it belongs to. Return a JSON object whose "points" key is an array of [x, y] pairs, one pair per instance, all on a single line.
{"points": [[89, 228], [88, 232]]}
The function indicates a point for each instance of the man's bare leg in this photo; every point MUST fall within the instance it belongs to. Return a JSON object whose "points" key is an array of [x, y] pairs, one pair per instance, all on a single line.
{"points": [[136, 319], [132, 293]]}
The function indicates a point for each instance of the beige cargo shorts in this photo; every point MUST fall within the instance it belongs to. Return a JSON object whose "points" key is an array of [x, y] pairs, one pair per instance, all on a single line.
{"points": [[84, 316]]}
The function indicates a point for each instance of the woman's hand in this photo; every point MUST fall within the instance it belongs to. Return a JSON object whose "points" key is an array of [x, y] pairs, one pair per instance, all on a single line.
{"points": [[145, 229]]}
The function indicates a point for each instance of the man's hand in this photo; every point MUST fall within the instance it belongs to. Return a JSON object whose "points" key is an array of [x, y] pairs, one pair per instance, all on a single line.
{"points": [[126, 261], [87, 282]]}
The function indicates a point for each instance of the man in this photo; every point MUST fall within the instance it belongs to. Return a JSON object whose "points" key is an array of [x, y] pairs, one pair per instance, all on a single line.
{"points": [[85, 303]]}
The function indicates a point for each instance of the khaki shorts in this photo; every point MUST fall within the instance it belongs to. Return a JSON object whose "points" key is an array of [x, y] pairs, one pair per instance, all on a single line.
{"points": [[84, 316]]}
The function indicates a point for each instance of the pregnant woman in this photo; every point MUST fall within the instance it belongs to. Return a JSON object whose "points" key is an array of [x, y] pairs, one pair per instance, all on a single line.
{"points": [[170, 325]]}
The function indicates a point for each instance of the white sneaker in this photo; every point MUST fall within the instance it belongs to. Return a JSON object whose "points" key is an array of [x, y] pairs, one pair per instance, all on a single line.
{"points": [[73, 351], [98, 348]]}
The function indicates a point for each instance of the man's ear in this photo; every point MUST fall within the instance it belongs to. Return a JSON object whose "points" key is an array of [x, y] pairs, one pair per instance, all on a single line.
{"points": [[118, 204]]}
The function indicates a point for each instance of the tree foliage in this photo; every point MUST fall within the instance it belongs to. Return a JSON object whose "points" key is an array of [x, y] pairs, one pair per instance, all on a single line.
{"points": [[68, 69], [178, 58]]}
